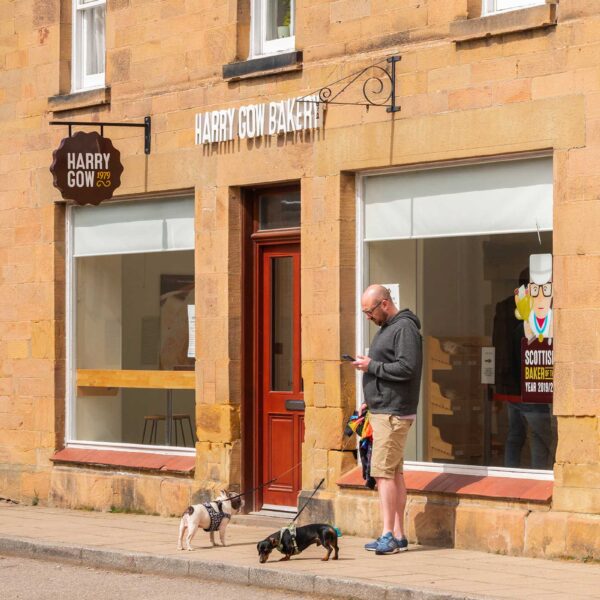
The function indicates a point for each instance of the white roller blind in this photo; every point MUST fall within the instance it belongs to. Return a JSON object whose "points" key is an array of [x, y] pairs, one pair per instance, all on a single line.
{"points": [[133, 227], [502, 197]]}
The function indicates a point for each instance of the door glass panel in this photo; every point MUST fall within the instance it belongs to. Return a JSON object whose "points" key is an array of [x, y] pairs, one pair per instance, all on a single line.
{"points": [[279, 210], [282, 328]]}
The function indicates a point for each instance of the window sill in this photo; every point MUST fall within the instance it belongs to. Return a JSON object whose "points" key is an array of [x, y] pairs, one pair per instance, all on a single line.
{"points": [[273, 64], [526, 19], [508, 488], [138, 461], [82, 99]]}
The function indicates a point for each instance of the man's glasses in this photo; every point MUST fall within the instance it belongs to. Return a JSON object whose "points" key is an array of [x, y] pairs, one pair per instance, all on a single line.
{"points": [[534, 290], [370, 312]]}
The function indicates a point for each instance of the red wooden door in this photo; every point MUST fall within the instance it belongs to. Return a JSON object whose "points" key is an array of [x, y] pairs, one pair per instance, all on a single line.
{"points": [[281, 399]]}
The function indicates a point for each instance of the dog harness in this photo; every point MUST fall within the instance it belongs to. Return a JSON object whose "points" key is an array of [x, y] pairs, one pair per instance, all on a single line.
{"points": [[215, 517], [292, 531]]}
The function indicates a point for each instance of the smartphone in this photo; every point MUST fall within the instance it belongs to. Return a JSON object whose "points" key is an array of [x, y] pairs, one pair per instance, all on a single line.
{"points": [[348, 357]]}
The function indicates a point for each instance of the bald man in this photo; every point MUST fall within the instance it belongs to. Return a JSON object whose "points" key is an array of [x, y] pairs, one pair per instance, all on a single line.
{"points": [[391, 382]]}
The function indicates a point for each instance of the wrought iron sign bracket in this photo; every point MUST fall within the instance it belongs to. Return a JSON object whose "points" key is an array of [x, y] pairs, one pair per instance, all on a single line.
{"points": [[393, 106], [378, 87], [147, 125]]}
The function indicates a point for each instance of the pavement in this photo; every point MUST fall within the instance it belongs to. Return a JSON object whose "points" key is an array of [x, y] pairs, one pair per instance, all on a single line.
{"points": [[147, 544]]}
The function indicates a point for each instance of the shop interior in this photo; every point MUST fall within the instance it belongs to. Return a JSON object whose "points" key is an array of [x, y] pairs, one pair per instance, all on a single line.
{"points": [[462, 288], [132, 314]]}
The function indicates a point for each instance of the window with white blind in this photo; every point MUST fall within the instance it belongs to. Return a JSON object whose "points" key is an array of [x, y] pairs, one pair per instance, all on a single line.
{"points": [[89, 48], [462, 247], [505, 197], [130, 332], [273, 27], [491, 7]]}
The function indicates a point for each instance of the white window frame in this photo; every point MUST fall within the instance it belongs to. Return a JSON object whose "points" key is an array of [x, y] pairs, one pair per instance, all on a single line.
{"points": [[362, 256], [79, 80], [493, 7], [259, 45], [71, 368]]}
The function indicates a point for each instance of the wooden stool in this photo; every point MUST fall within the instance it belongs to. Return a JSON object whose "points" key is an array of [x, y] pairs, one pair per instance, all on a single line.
{"points": [[154, 419], [179, 419]]}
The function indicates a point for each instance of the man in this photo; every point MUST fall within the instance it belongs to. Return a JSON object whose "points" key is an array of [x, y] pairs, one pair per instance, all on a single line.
{"points": [[391, 382]]}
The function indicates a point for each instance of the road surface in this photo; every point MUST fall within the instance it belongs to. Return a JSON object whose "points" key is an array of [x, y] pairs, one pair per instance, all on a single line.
{"points": [[28, 579]]}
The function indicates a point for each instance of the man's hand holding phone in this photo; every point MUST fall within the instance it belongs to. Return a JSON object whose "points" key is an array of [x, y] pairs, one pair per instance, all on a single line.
{"points": [[360, 362]]}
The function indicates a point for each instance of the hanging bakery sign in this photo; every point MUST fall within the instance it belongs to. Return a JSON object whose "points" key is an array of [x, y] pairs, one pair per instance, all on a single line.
{"points": [[258, 120], [86, 168]]}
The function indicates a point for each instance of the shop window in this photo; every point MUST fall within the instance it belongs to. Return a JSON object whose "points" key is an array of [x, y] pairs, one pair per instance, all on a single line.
{"points": [[491, 7], [132, 313], [88, 64], [465, 248], [273, 26]]}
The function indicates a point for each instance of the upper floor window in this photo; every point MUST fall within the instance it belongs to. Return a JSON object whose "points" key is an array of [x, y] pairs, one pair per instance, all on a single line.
{"points": [[495, 6], [89, 18], [273, 26]]}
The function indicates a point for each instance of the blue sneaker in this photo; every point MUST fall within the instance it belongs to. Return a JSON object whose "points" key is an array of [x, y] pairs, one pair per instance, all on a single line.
{"points": [[372, 546], [388, 544], [402, 544]]}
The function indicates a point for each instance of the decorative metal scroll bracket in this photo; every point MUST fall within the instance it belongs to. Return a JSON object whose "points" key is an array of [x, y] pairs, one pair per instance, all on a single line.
{"points": [[147, 125], [378, 87], [393, 106]]}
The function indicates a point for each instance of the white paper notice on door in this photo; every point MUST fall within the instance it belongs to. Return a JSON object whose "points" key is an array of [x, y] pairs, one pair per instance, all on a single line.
{"points": [[488, 365], [394, 292], [191, 309]]}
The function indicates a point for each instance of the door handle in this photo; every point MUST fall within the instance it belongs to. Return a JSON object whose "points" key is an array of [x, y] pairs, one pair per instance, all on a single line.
{"points": [[294, 404]]}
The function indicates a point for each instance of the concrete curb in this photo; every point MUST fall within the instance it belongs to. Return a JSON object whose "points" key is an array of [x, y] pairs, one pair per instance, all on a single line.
{"points": [[138, 562]]}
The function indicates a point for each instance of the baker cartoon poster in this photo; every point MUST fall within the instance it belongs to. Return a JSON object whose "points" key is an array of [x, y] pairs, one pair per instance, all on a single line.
{"points": [[534, 308]]}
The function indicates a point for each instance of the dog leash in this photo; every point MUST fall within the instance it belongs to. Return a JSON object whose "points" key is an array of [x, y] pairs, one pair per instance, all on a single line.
{"points": [[262, 485], [309, 499]]}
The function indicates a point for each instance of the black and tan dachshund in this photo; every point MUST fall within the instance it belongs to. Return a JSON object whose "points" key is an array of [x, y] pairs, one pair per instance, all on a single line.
{"points": [[319, 534]]}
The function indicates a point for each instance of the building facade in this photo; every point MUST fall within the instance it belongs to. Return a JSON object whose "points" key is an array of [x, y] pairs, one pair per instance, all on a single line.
{"points": [[186, 335]]}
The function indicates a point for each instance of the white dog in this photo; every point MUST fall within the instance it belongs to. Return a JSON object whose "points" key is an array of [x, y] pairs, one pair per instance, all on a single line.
{"points": [[211, 516]]}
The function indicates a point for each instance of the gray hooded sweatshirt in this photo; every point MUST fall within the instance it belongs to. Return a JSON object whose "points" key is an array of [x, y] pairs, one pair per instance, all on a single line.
{"points": [[392, 381]]}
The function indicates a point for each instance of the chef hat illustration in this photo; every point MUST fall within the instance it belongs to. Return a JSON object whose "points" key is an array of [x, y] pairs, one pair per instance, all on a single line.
{"points": [[540, 268]]}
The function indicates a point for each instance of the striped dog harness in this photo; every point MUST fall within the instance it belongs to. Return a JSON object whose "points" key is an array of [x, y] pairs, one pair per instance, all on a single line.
{"points": [[291, 529]]}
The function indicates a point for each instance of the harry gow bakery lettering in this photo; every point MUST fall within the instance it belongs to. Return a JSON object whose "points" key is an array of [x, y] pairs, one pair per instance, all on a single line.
{"points": [[86, 168], [257, 120]]}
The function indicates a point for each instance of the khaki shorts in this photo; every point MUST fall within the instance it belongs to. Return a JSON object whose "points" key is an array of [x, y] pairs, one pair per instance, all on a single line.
{"points": [[389, 439]]}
